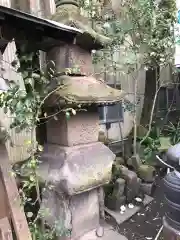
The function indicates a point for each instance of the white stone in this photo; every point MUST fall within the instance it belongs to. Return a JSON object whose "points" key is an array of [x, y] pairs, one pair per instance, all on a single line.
{"points": [[122, 208], [130, 205], [138, 199]]}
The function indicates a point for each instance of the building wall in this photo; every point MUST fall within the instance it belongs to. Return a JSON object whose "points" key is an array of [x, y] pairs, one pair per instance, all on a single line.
{"points": [[19, 152], [38, 7]]}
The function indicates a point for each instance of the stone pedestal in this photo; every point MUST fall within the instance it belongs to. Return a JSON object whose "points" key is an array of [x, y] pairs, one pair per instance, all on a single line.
{"points": [[75, 165]]}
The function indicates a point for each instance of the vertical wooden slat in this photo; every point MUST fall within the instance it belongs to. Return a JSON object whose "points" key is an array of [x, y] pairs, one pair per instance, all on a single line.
{"points": [[4, 212], [5, 229], [13, 200]]}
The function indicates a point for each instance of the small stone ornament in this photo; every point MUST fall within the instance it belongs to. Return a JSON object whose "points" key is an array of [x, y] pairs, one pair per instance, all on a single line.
{"points": [[100, 231]]}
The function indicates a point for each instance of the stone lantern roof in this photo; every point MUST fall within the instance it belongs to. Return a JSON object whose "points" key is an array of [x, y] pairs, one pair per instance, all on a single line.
{"points": [[87, 91], [68, 12]]}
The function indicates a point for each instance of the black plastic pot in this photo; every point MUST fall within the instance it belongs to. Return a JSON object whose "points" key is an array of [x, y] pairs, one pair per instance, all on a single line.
{"points": [[172, 188], [172, 212], [172, 198]]}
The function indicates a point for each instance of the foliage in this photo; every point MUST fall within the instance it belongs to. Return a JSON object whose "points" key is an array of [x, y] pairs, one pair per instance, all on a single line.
{"points": [[151, 143], [173, 131], [25, 103], [160, 139], [143, 32]]}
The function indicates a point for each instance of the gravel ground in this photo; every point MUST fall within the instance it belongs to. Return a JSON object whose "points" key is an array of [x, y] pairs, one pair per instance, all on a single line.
{"points": [[146, 224]]}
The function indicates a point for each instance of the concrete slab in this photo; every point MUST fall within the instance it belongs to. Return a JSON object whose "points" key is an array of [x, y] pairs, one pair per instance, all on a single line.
{"points": [[109, 233], [120, 218]]}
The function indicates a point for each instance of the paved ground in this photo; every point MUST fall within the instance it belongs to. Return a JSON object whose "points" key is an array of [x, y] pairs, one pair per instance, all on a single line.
{"points": [[109, 234], [145, 224]]}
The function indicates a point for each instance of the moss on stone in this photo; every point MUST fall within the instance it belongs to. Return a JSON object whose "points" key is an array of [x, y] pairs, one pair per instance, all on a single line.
{"points": [[86, 90], [69, 13]]}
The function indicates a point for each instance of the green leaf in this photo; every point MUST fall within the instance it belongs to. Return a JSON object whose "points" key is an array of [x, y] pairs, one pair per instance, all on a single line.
{"points": [[165, 143], [67, 115], [32, 178]]}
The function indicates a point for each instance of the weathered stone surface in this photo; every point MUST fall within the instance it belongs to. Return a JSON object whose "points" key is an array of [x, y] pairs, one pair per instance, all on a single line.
{"points": [[119, 160], [132, 185], [118, 171], [114, 202], [76, 215], [109, 234], [108, 188], [134, 162], [119, 188], [147, 173], [102, 137], [120, 218], [147, 188], [72, 57], [123, 170], [138, 186], [84, 90], [74, 170], [55, 207], [101, 197], [82, 128], [100, 231], [85, 213]]}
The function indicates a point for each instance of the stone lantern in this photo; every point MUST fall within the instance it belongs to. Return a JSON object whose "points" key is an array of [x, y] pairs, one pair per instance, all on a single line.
{"points": [[74, 163]]}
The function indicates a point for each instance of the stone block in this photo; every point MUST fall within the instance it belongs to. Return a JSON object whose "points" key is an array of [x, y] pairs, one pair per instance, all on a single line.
{"points": [[73, 57], [119, 187], [75, 215], [132, 185], [85, 213], [108, 188], [134, 162], [82, 128], [147, 188], [114, 202], [123, 170], [119, 160], [147, 173], [118, 171], [55, 208], [77, 169]]}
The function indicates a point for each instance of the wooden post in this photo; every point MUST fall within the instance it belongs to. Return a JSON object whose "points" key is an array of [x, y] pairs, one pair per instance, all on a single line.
{"points": [[5, 229], [16, 211]]}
